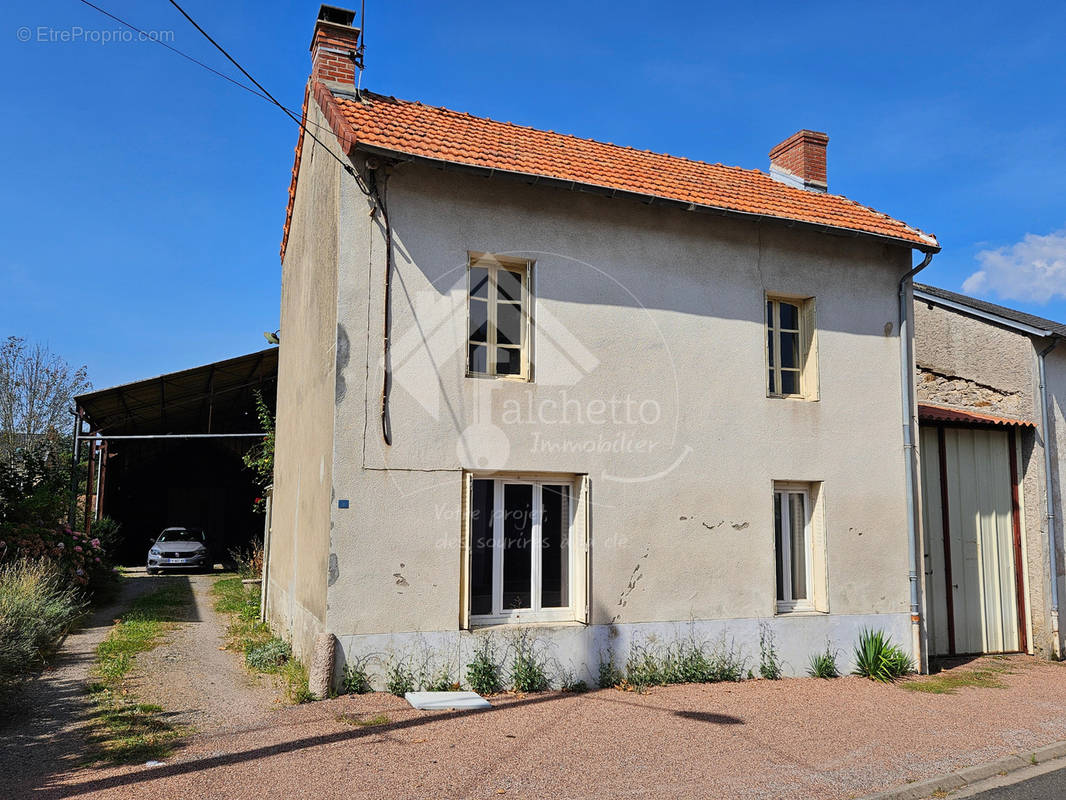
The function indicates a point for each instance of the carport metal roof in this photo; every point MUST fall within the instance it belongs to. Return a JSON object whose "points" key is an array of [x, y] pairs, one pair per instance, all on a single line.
{"points": [[213, 399]]}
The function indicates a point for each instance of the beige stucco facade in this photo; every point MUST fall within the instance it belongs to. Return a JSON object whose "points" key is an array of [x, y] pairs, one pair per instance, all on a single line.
{"points": [[971, 363], [649, 377], [300, 514]]}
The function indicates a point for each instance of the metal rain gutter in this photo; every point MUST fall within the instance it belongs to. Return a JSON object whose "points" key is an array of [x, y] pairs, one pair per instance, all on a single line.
{"points": [[906, 366], [1045, 431]]}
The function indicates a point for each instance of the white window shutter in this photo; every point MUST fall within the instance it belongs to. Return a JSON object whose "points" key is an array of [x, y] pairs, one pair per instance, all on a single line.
{"points": [[809, 327], [464, 554], [582, 550]]}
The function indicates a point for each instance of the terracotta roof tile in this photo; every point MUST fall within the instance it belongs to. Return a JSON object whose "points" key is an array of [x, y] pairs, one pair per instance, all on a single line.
{"points": [[414, 129], [928, 412]]}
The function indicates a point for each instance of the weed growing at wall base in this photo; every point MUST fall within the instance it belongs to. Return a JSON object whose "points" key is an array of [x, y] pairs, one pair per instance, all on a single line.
{"points": [[247, 635], [769, 661], [528, 669], [483, 671], [824, 664], [684, 661]]}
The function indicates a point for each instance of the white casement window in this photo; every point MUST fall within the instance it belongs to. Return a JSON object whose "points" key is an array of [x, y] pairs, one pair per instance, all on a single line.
{"points": [[498, 306], [793, 546], [525, 549], [791, 348]]}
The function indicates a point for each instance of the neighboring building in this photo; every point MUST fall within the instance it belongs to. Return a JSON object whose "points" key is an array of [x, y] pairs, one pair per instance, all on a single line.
{"points": [[986, 377], [531, 378]]}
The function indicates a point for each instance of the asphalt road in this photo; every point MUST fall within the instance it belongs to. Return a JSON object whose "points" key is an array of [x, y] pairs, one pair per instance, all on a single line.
{"points": [[1047, 786]]}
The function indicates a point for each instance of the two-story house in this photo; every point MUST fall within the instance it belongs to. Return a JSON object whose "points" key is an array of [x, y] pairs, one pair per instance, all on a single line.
{"points": [[533, 379]]}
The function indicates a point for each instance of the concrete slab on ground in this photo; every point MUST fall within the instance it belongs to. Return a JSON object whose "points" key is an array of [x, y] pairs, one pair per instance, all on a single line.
{"points": [[446, 701]]}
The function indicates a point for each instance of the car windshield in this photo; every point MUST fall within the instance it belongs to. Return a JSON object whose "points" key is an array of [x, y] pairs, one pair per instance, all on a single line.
{"points": [[181, 535]]}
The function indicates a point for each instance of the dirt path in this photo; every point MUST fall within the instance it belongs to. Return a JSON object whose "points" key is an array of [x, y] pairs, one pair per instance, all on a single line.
{"points": [[44, 729], [197, 682]]}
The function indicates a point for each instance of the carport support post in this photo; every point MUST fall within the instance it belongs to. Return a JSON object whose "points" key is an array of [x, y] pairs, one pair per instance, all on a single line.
{"points": [[89, 489], [72, 516]]}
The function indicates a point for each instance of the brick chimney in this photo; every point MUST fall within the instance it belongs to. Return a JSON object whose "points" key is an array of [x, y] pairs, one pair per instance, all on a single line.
{"points": [[800, 161], [334, 46]]}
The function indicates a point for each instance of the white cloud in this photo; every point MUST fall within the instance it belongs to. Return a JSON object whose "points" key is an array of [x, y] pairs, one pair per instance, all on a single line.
{"points": [[1032, 270]]}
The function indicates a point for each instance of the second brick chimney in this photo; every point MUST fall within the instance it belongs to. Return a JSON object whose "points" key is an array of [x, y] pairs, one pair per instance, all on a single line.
{"points": [[334, 46], [800, 161]]}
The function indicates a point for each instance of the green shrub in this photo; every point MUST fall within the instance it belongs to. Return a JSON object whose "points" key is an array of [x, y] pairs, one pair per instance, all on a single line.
{"points": [[442, 681], [356, 681], [36, 610], [569, 683], [248, 561], [608, 675], [685, 661], [824, 664], [483, 672], [108, 531], [878, 658], [644, 668], [769, 662], [269, 656], [399, 680], [528, 670]]}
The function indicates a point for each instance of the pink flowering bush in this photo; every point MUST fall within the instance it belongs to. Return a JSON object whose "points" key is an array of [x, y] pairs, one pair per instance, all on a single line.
{"points": [[74, 555]]}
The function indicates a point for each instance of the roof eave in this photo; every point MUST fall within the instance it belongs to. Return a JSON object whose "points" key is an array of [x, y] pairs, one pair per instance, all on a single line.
{"points": [[982, 314], [648, 199]]}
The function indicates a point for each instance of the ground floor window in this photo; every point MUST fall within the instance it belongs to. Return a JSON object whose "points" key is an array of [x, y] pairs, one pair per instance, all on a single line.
{"points": [[522, 558], [799, 548]]}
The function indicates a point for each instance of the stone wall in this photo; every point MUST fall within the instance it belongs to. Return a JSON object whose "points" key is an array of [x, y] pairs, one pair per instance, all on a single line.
{"points": [[949, 390]]}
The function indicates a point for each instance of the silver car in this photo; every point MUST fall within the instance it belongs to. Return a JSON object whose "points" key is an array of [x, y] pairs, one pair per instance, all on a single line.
{"points": [[179, 548]]}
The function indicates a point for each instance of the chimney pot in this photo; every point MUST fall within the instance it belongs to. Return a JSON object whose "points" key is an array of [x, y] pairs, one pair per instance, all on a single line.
{"points": [[800, 161], [335, 46]]}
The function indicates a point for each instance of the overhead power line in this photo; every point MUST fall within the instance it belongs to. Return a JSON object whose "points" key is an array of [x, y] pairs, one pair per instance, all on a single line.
{"points": [[261, 92]]}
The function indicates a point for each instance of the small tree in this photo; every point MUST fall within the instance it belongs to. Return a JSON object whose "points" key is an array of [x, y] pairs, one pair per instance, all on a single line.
{"points": [[37, 390], [260, 457]]}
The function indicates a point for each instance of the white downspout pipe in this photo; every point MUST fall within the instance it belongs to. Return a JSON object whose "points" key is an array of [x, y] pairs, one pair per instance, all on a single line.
{"points": [[906, 366], [1049, 490]]}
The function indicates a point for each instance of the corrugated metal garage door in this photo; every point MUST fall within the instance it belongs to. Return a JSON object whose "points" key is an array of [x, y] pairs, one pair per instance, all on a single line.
{"points": [[971, 575]]}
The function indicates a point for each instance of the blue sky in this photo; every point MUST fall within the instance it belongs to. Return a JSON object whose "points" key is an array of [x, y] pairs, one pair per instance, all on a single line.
{"points": [[144, 197]]}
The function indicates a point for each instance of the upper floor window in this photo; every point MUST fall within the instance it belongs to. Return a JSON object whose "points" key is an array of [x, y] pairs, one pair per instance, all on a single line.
{"points": [[498, 303], [790, 348]]}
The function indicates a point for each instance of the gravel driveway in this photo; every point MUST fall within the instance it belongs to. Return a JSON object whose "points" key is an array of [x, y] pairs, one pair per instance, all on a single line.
{"points": [[793, 738]]}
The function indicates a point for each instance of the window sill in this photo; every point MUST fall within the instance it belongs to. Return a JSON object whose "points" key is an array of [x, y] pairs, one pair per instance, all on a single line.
{"points": [[511, 378], [492, 624], [800, 612], [801, 397]]}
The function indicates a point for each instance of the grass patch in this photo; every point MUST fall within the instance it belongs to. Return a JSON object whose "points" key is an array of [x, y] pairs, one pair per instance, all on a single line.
{"points": [[951, 682], [368, 722], [127, 731], [263, 652]]}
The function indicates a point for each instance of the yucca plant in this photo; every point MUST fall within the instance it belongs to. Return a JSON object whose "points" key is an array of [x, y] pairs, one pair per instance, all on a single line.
{"points": [[878, 658], [824, 664]]}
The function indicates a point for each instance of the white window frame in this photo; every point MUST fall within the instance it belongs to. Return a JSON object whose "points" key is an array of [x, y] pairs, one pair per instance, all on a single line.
{"points": [[808, 603], [577, 556], [773, 325], [493, 264]]}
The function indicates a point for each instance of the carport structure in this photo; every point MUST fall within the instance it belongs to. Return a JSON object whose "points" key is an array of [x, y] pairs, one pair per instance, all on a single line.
{"points": [[168, 451]]}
